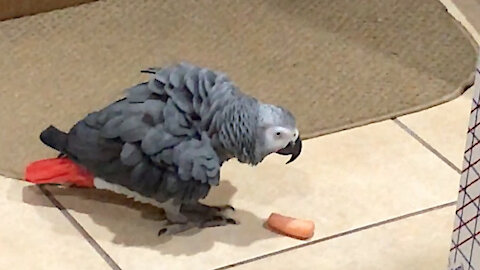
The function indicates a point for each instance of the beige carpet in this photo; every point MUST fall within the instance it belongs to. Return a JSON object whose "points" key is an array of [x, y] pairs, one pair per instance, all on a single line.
{"points": [[335, 64]]}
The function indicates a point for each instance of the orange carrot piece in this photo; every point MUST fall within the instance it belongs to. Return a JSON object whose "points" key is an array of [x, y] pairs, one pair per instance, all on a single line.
{"points": [[293, 227]]}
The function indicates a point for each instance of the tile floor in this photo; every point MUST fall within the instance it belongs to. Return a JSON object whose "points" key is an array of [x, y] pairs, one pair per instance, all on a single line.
{"points": [[374, 192], [382, 197]]}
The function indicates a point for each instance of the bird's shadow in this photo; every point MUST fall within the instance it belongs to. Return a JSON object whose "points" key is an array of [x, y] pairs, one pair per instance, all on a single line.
{"points": [[130, 223]]}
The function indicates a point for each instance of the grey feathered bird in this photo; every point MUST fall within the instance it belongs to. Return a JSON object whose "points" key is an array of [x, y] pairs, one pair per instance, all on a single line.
{"points": [[164, 143]]}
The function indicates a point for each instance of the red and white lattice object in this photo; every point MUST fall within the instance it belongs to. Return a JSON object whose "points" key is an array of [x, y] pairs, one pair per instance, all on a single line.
{"points": [[465, 243]]}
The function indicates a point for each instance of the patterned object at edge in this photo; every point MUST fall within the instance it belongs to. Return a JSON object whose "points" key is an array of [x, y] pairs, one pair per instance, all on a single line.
{"points": [[465, 245]]}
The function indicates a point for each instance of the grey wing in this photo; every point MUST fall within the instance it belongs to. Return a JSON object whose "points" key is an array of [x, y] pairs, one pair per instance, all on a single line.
{"points": [[192, 166], [107, 143], [196, 160], [154, 141]]}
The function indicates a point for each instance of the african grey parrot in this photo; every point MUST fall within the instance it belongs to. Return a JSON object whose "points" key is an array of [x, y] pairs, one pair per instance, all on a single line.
{"points": [[165, 142]]}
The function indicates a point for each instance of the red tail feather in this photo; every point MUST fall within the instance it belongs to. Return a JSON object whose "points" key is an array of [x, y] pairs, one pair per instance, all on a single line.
{"points": [[58, 171]]}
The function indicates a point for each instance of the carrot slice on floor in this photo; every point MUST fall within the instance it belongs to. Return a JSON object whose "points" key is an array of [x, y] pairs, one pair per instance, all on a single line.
{"points": [[293, 227]]}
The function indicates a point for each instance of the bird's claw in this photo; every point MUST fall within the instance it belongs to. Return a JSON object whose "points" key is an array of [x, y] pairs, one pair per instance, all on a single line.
{"points": [[224, 207], [231, 221], [196, 216], [218, 221], [169, 228], [174, 228], [162, 231]]}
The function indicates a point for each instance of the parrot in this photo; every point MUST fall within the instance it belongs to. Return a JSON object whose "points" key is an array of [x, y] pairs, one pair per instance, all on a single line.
{"points": [[165, 140]]}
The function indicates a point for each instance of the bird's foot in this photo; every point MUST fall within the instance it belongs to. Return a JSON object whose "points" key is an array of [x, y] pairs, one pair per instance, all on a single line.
{"points": [[219, 220], [211, 216], [197, 216], [207, 209], [170, 228]]}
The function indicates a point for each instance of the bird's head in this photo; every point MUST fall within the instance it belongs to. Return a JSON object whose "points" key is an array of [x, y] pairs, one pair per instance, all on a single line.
{"points": [[278, 132]]}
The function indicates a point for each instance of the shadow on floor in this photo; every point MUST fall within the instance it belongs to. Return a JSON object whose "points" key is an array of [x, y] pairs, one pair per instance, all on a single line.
{"points": [[110, 217]]}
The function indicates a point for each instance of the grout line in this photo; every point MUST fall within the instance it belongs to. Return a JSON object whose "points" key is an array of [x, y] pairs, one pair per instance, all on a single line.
{"points": [[426, 145], [373, 225], [80, 229]]}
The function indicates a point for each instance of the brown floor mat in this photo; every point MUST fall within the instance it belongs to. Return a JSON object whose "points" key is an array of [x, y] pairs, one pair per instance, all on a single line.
{"points": [[335, 64]]}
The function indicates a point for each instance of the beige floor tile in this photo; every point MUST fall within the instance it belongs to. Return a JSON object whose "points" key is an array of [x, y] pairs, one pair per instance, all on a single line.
{"points": [[39, 237], [341, 181], [444, 127], [420, 243]]}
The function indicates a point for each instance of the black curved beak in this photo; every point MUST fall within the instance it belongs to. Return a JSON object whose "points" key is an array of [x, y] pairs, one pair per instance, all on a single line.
{"points": [[293, 148]]}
